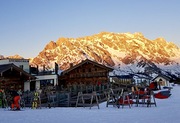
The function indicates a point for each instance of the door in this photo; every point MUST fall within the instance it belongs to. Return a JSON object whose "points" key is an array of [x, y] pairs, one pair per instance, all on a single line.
{"points": [[32, 85]]}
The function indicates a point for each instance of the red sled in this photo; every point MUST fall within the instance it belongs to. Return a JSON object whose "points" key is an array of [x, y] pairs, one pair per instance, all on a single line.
{"points": [[162, 95]]}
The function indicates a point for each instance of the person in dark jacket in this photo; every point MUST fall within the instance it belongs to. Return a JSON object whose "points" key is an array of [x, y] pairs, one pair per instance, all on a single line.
{"points": [[15, 101]]}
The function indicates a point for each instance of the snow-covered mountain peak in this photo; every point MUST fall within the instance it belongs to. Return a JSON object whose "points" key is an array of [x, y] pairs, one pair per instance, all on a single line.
{"points": [[111, 49]]}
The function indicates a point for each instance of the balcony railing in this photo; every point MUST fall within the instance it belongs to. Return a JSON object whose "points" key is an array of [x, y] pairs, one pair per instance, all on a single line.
{"points": [[88, 75]]}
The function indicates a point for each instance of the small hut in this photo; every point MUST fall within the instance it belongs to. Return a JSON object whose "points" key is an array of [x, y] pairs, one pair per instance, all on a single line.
{"points": [[162, 80]]}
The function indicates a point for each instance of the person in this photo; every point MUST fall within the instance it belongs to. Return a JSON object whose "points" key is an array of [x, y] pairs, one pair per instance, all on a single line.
{"points": [[15, 100], [3, 101], [36, 99]]}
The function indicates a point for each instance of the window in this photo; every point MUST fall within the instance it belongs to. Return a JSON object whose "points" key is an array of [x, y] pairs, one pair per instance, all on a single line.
{"points": [[44, 83], [89, 70], [83, 70], [21, 66]]}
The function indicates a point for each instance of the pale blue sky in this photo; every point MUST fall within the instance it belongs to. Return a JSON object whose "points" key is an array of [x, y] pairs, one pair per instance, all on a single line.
{"points": [[26, 26]]}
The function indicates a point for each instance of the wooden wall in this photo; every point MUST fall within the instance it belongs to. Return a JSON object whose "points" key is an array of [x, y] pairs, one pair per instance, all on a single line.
{"points": [[11, 83], [88, 74]]}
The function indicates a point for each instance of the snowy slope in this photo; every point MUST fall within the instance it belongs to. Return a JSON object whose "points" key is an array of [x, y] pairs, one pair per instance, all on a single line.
{"points": [[167, 111]]}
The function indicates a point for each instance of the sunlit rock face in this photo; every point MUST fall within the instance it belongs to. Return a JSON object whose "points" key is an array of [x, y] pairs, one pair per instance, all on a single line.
{"points": [[112, 49]]}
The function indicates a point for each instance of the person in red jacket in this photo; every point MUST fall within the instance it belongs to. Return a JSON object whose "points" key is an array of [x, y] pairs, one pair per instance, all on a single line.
{"points": [[15, 101]]}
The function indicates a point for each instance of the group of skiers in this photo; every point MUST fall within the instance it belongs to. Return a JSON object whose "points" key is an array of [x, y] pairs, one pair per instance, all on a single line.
{"points": [[11, 98], [13, 101]]}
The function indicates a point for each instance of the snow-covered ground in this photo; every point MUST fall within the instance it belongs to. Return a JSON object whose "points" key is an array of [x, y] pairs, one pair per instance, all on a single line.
{"points": [[167, 111]]}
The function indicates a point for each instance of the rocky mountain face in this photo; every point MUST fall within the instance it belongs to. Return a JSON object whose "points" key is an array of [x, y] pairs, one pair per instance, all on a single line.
{"points": [[118, 50]]}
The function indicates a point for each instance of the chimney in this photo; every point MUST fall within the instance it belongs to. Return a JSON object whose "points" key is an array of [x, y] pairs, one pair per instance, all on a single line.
{"points": [[71, 65], [44, 67], [56, 68], [37, 69]]}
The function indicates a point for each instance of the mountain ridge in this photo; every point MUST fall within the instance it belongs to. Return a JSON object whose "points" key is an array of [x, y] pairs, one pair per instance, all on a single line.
{"points": [[124, 51], [102, 47]]}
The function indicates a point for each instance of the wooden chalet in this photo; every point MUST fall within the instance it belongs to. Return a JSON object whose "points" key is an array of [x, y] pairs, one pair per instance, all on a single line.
{"points": [[13, 77], [163, 80], [87, 73]]}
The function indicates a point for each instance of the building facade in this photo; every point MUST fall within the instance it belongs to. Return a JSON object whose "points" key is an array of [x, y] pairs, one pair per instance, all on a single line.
{"points": [[162, 80], [87, 73], [21, 63], [13, 77], [19, 76]]}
